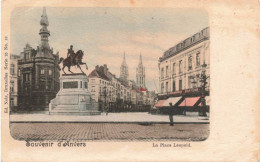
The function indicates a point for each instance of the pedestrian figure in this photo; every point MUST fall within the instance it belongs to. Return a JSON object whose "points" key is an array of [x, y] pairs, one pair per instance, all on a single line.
{"points": [[171, 114], [107, 110]]}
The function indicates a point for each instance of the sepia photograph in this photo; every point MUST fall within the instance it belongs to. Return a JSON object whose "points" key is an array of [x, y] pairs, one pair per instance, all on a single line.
{"points": [[109, 74], [132, 80]]}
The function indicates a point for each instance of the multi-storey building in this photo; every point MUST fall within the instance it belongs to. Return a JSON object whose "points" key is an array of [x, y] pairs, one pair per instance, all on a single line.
{"points": [[38, 72], [13, 81], [114, 92], [181, 65], [183, 73]]}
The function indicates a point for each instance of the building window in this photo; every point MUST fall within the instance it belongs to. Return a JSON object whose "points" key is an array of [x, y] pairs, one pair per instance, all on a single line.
{"points": [[26, 77], [50, 72], [26, 56], [93, 89], [173, 86], [11, 102], [198, 59], [167, 71], [42, 85], [12, 67], [19, 72], [12, 86], [180, 66], [48, 86], [162, 88], [167, 87], [190, 62], [162, 71], [173, 69], [86, 85], [42, 71], [180, 85]]}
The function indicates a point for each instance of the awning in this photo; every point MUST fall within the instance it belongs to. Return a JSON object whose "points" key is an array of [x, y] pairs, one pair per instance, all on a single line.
{"points": [[172, 100], [159, 103], [189, 101], [207, 98]]}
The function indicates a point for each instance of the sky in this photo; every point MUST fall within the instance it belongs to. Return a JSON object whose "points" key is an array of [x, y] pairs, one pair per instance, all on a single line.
{"points": [[104, 34]]}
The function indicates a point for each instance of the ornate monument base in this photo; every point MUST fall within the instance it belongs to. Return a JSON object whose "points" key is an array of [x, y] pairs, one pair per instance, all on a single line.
{"points": [[74, 97]]}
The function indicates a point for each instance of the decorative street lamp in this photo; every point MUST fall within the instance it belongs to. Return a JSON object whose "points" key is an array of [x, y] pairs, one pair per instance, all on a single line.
{"points": [[203, 79]]}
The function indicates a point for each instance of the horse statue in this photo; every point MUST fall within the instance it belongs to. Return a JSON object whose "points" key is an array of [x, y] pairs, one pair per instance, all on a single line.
{"points": [[73, 60]]}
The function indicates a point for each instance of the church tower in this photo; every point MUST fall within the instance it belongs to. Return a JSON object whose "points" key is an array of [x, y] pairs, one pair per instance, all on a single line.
{"points": [[140, 74], [124, 70]]}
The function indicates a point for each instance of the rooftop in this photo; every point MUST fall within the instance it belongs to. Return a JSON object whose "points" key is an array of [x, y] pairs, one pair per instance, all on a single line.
{"points": [[187, 43]]}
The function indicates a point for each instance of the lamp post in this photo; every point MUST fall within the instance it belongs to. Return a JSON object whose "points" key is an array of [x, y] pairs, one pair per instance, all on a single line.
{"points": [[203, 79]]}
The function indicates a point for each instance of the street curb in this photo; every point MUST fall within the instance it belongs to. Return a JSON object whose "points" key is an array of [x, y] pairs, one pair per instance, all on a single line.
{"points": [[97, 122]]}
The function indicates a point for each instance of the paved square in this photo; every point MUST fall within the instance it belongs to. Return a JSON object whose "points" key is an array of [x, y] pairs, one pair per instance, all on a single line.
{"points": [[108, 131]]}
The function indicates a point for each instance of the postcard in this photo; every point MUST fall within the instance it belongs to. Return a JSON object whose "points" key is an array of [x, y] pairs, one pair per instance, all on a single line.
{"points": [[130, 80]]}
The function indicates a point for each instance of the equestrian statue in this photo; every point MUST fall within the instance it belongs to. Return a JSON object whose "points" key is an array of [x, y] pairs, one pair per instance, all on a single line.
{"points": [[73, 59]]}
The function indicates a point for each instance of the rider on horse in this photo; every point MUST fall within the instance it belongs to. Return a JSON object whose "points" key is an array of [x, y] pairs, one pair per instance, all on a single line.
{"points": [[73, 59], [71, 54]]}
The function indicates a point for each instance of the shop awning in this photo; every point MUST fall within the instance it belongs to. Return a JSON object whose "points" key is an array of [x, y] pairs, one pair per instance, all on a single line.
{"points": [[172, 100], [189, 101], [207, 98], [159, 103]]}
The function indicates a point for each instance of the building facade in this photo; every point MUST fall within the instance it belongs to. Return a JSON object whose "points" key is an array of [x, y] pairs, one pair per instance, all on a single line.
{"points": [[140, 74], [38, 72], [180, 66], [116, 93], [13, 81]]}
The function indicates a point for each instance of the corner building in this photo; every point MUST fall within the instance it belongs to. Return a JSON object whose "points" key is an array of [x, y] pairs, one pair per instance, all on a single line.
{"points": [[181, 69], [38, 72], [180, 66]]}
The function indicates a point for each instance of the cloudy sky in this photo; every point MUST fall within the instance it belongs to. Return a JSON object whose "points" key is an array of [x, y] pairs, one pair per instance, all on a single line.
{"points": [[105, 33]]}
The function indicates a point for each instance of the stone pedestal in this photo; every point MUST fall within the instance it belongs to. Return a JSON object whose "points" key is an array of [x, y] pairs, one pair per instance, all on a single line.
{"points": [[74, 97]]}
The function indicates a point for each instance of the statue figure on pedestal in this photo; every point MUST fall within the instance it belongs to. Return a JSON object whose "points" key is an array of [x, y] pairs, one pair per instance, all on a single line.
{"points": [[73, 59]]}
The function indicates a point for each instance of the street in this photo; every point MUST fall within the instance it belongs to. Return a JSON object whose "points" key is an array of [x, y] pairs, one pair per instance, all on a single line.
{"points": [[108, 131]]}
